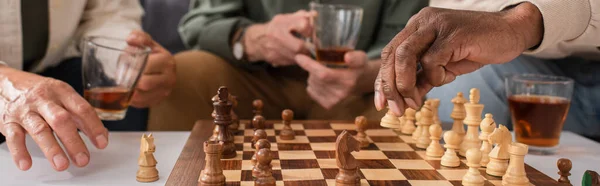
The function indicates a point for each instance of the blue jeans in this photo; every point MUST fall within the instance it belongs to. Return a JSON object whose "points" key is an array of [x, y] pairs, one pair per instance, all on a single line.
{"points": [[584, 113]]}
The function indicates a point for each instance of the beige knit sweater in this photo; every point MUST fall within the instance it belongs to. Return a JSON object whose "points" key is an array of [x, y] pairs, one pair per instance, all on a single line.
{"points": [[571, 27]]}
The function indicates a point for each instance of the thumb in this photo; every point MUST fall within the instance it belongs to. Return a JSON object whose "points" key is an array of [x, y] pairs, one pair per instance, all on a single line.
{"points": [[355, 59], [140, 39]]}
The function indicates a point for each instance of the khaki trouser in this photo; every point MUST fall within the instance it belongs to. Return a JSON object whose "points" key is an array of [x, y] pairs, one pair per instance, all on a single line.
{"points": [[200, 74]]}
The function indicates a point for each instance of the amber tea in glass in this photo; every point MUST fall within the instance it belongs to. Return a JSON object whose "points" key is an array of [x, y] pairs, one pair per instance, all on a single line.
{"points": [[539, 105]]}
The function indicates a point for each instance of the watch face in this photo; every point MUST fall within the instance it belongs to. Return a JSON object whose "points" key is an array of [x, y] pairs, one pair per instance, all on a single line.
{"points": [[238, 50]]}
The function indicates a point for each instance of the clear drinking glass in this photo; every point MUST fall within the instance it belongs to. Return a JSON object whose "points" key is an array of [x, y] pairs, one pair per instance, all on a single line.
{"points": [[336, 30], [539, 105], [111, 69]]}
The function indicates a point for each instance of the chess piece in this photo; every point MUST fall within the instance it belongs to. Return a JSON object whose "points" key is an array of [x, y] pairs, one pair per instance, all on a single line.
{"points": [[408, 127], [564, 167], [435, 105], [264, 169], [401, 120], [487, 127], [417, 132], [260, 144], [258, 122], [435, 149], [426, 121], [450, 159], [473, 119], [258, 134], [473, 177], [212, 175], [215, 134], [348, 173], [235, 121], [590, 178], [223, 119], [147, 171], [515, 174], [361, 127], [258, 107], [390, 120], [499, 155], [287, 133], [458, 114]]}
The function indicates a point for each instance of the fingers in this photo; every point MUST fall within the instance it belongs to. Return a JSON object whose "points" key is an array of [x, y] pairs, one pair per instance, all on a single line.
{"points": [[388, 87], [290, 42], [140, 39], [407, 55], [15, 140], [158, 62], [42, 134], [379, 96], [454, 69], [313, 67], [154, 81], [302, 24], [434, 60], [86, 119], [61, 121], [145, 99], [355, 59]]}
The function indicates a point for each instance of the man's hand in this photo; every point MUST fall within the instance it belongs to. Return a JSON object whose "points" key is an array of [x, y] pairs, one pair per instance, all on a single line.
{"points": [[329, 86], [44, 107], [449, 43], [275, 42], [158, 77]]}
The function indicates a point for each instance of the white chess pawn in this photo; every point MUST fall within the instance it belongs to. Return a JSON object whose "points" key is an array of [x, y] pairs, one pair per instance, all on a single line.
{"points": [[450, 159], [473, 177], [390, 120], [515, 174], [426, 121], [435, 149], [409, 121], [487, 127], [417, 132]]}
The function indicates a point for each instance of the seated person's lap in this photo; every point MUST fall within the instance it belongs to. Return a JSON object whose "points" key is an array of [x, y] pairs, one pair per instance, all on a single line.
{"points": [[584, 113], [200, 74]]}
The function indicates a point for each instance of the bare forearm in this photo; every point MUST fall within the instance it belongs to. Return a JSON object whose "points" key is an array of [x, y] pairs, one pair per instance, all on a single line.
{"points": [[365, 83]]}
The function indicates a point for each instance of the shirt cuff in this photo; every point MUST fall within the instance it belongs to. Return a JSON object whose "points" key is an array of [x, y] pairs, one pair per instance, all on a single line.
{"points": [[217, 39], [563, 20]]}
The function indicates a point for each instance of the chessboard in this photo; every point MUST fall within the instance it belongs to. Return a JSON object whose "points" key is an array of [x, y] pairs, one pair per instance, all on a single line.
{"points": [[391, 158]]}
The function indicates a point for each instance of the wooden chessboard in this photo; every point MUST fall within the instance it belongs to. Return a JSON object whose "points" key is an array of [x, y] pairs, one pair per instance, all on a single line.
{"points": [[310, 158]]}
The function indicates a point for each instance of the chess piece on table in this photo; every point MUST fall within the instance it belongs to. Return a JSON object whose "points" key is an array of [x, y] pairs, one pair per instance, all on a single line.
{"points": [[499, 155], [426, 121], [264, 169], [487, 127], [257, 104], [258, 122], [287, 133], [458, 114], [258, 134], [564, 166], [450, 159], [223, 119], [401, 120], [417, 132], [435, 105], [408, 127], [212, 175], [361, 128], [215, 134], [435, 149], [473, 177], [147, 171], [515, 174], [260, 144], [590, 178], [348, 167], [473, 119], [390, 120]]}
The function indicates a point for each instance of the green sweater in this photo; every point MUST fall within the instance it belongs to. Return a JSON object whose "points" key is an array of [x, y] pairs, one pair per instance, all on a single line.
{"points": [[210, 24]]}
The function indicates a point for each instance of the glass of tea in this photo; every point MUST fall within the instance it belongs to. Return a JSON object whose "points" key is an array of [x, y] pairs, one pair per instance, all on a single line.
{"points": [[336, 30], [111, 69], [539, 105]]}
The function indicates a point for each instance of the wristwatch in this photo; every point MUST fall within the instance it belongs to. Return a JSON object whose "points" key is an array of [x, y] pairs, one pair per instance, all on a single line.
{"points": [[238, 45]]}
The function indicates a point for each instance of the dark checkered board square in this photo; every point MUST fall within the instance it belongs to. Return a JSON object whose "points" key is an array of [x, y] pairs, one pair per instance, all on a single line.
{"points": [[391, 159]]}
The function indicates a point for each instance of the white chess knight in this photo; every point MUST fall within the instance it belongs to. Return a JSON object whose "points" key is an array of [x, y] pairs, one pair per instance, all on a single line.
{"points": [[499, 156], [515, 174]]}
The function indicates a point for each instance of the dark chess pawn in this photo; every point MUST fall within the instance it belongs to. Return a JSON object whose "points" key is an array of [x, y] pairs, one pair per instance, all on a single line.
{"points": [[258, 122], [264, 169], [287, 133], [258, 134], [564, 167], [258, 107], [260, 144]]}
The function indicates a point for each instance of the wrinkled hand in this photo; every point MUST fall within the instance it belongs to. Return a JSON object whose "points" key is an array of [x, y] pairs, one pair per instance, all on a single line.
{"points": [[449, 43], [158, 78], [275, 42], [328, 86], [38, 106]]}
